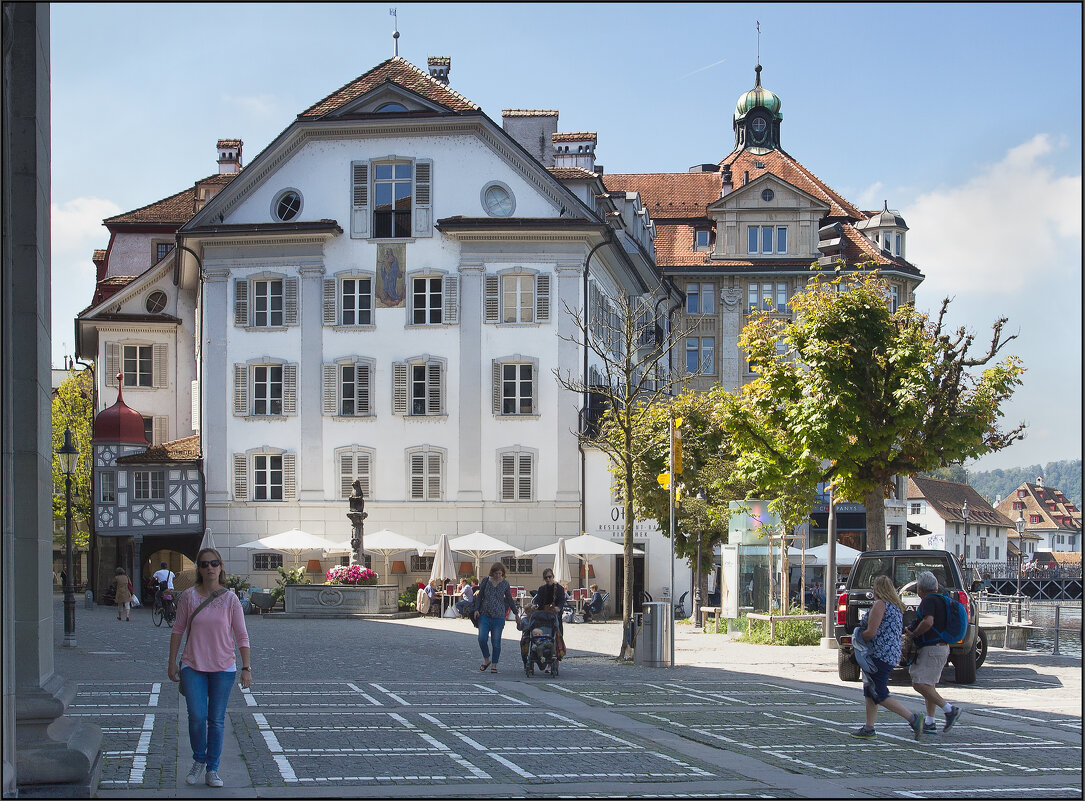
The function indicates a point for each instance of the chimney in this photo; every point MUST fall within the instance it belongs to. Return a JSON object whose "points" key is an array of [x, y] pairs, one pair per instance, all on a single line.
{"points": [[439, 67], [1040, 482], [728, 184], [532, 129], [229, 155], [575, 149]]}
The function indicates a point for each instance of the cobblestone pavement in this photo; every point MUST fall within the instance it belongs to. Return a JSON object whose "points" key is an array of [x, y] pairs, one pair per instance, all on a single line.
{"points": [[400, 709]]}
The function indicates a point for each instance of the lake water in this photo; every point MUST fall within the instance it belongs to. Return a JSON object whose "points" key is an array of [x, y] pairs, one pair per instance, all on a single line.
{"points": [[1043, 640]]}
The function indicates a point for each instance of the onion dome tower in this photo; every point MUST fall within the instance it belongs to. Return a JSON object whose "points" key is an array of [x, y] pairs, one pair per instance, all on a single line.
{"points": [[757, 119], [120, 424]]}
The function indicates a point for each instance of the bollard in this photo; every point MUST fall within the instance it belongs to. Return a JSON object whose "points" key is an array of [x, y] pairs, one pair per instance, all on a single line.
{"points": [[1006, 639], [88, 600], [1056, 649]]}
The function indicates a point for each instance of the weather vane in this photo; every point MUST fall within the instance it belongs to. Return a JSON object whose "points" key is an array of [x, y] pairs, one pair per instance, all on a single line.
{"points": [[395, 35], [758, 41]]}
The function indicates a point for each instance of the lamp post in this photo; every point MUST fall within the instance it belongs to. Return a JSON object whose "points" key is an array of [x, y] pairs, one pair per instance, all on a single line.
{"points": [[69, 455], [357, 515], [1020, 523], [964, 514], [701, 496]]}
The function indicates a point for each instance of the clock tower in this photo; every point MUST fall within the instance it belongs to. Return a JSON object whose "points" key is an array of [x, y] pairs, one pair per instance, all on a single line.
{"points": [[757, 119]]}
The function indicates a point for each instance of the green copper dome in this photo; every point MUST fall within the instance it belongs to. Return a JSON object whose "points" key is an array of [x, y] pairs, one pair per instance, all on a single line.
{"points": [[758, 98]]}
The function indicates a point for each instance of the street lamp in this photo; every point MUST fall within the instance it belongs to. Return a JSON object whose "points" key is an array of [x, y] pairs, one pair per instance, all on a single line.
{"points": [[68, 455], [1020, 523], [964, 514], [701, 496]]}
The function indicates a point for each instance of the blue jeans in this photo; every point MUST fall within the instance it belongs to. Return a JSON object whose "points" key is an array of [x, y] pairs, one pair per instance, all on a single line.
{"points": [[877, 688], [207, 695], [490, 628]]}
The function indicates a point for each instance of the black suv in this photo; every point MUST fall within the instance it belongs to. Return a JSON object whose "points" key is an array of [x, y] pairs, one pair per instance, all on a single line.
{"points": [[903, 567]]}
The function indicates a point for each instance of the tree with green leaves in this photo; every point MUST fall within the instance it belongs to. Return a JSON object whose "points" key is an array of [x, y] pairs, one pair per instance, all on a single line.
{"points": [[73, 408], [628, 372], [708, 470], [853, 393]]}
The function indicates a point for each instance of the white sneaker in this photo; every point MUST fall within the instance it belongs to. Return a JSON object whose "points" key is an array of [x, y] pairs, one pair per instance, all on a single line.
{"points": [[194, 774], [213, 779]]}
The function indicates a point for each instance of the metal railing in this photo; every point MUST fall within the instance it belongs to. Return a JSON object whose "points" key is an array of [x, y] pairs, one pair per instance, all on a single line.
{"points": [[992, 603]]}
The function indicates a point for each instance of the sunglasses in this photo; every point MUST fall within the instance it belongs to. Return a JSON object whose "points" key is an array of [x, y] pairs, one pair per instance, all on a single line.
{"points": [[212, 563], [547, 577]]}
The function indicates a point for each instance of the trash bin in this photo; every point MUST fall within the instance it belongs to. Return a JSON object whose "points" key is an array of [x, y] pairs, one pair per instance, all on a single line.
{"points": [[653, 648]]}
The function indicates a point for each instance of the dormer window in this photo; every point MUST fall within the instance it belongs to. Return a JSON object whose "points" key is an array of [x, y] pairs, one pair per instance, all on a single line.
{"points": [[702, 239], [767, 239]]}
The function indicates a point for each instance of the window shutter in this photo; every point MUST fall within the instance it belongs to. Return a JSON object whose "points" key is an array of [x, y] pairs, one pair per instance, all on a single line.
{"points": [[112, 363], [452, 299], [497, 386], [491, 301], [159, 361], [346, 474], [423, 190], [241, 301], [290, 389], [159, 429], [361, 389], [433, 388], [508, 477], [524, 478], [418, 476], [195, 405], [290, 301], [535, 387], [359, 203], [542, 297], [434, 478], [241, 390], [241, 477], [330, 388], [363, 471], [329, 301], [399, 388], [289, 484]]}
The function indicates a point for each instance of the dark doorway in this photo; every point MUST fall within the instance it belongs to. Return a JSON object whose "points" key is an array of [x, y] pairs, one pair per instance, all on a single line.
{"points": [[638, 583]]}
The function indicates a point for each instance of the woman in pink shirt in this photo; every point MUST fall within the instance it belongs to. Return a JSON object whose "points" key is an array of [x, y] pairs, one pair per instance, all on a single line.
{"points": [[208, 669]]}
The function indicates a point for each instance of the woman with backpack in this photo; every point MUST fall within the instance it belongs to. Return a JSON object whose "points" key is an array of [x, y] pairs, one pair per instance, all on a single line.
{"points": [[933, 651], [881, 627]]}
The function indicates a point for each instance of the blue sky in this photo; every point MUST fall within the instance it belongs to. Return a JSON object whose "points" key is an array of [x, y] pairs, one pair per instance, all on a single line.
{"points": [[965, 117]]}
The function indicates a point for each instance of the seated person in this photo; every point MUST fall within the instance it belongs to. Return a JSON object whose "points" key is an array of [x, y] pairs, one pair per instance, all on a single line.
{"points": [[432, 592], [463, 608], [595, 605]]}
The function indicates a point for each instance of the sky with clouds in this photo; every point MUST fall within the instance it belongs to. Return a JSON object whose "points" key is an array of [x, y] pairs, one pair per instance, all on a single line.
{"points": [[965, 117]]}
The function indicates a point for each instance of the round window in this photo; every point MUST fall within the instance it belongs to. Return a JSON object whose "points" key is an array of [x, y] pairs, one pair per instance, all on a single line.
{"points": [[498, 200], [287, 206], [156, 301], [768, 195]]}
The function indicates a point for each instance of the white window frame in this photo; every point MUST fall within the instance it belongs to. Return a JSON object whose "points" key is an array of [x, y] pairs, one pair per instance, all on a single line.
{"points": [[245, 474], [495, 294], [245, 382], [501, 382], [355, 462], [267, 466], [272, 292], [107, 486], [706, 356], [706, 233], [245, 302], [767, 293], [266, 562], [333, 384], [517, 298], [432, 306], [340, 299], [148, 485], [405, 383], [781, 239], [426, 473], [267, 380], [363, 192], [516, 468]]}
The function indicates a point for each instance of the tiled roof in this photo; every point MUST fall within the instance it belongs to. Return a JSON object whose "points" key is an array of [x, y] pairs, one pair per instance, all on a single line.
{"points": [[173, 210], [108, 287], [858, 248], [179, 450], [229, 143], [674, 246], [398, 71], [788, 169], [946, 499], [439, 61], [571, 173], [99, 254], [529, 112], [1039, 500], [670, 195], [582, 136]]}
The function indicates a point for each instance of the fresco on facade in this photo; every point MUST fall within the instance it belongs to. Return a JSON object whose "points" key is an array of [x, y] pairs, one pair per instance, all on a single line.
{"points": [[391, 264]]}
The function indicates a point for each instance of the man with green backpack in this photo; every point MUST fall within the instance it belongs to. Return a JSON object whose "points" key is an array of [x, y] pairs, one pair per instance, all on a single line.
{"points": [[937, 624]]}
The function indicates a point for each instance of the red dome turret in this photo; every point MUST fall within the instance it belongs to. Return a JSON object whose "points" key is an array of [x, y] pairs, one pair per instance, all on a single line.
{"points": [[120, 422]]}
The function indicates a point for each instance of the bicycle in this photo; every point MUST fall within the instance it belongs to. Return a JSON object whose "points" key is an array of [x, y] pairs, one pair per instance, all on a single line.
{"points": [[164, 609]]}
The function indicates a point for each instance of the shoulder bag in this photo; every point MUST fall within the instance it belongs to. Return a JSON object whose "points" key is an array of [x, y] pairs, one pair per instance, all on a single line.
{"points": [[188, 628]]}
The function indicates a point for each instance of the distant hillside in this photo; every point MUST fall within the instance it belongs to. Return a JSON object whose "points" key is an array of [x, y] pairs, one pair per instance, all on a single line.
{"points": [[1064, 475]]}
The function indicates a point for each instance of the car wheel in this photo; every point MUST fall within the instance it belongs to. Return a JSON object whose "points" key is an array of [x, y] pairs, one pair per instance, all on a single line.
{"points": [[847, 667], [981, 647], [964, 667]]}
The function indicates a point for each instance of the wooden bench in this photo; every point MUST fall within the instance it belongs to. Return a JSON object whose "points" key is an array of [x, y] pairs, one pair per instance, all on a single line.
{"points": [[709, 610], [751, 616]]}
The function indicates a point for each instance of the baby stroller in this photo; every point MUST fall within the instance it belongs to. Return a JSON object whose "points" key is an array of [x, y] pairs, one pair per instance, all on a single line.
{"points": [[539, 642]]}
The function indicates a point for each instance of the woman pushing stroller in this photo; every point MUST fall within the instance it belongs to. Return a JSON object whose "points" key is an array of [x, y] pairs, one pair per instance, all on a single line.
{"points": [[542, 643]]}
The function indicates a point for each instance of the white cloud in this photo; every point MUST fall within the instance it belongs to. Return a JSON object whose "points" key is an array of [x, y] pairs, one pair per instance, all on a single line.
{"points": [[1014, 223], [872, 197], [76, 230]]}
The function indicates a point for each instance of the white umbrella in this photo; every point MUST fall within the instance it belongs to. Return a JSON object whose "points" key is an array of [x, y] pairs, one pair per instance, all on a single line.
{"points": [[385, 543], [478, 546], [443, 565], [561, 564], [587, 546], [295, 542]]}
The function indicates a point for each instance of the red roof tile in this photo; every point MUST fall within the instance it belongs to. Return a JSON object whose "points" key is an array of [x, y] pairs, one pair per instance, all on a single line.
{"points": [[582, 136], [670, 195], [786, 168], [174, 210], [529, 112], [398, 71], [858, 248], [571, 173], [179, 450]]}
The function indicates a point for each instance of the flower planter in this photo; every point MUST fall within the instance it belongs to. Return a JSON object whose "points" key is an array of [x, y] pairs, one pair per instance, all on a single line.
{"points": [[341, 600]]}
